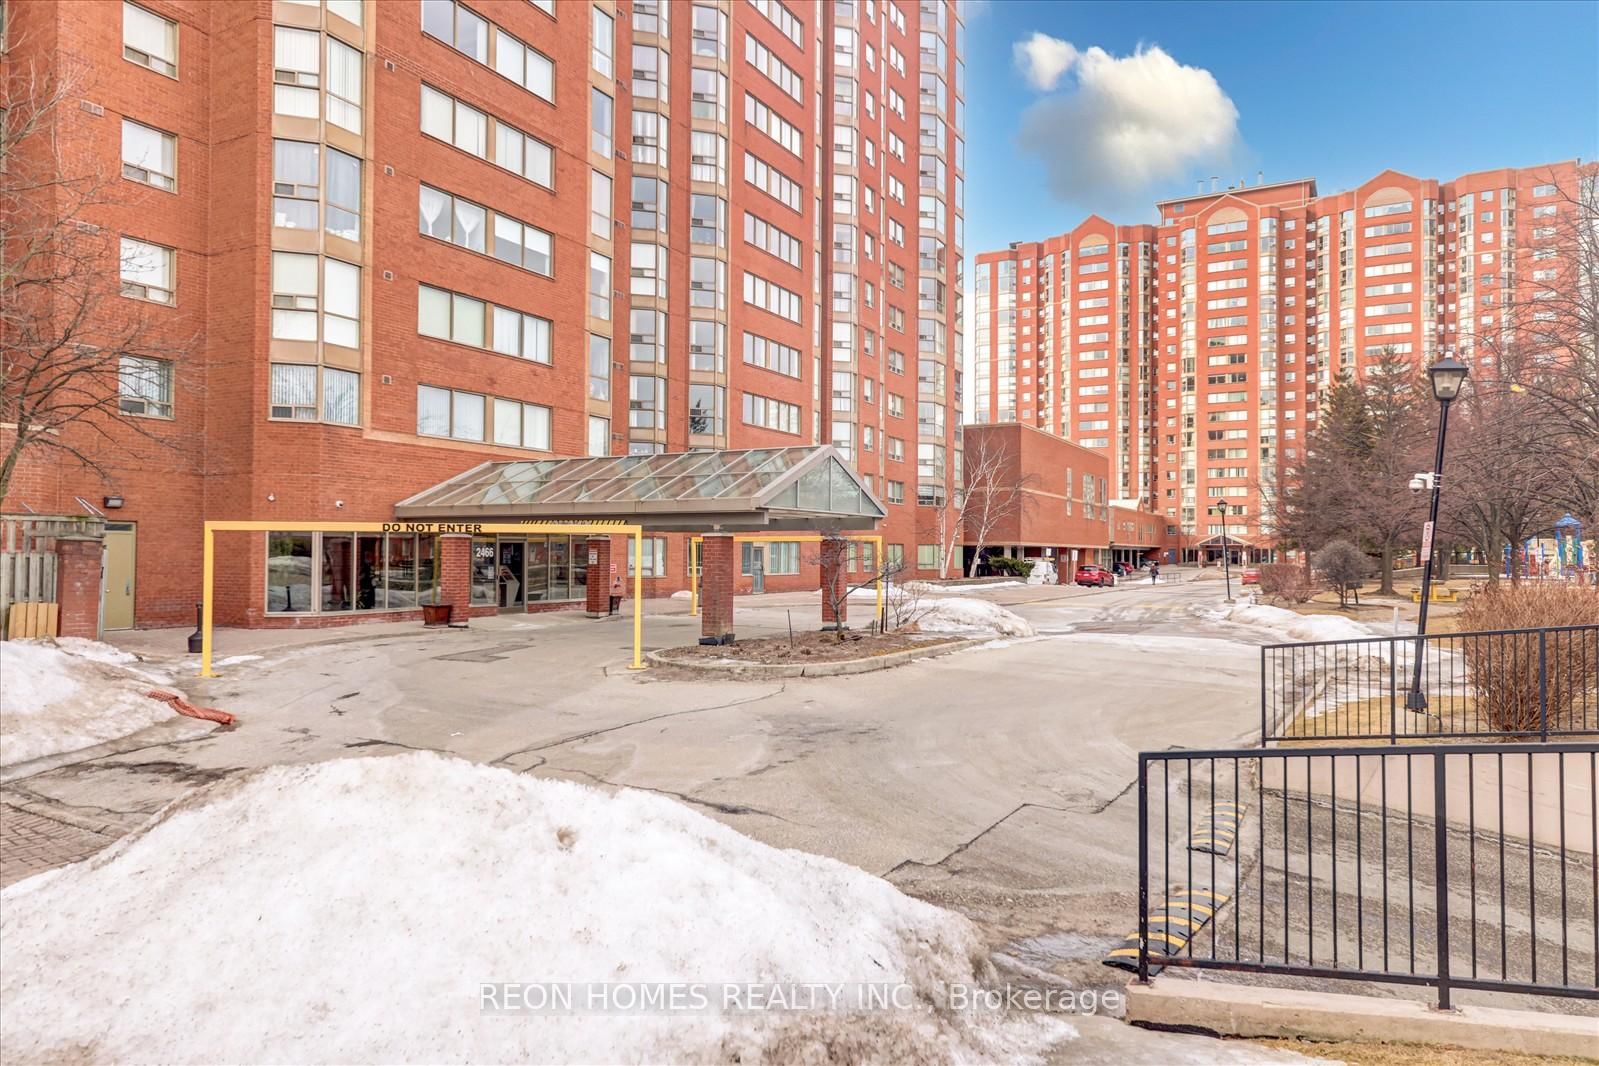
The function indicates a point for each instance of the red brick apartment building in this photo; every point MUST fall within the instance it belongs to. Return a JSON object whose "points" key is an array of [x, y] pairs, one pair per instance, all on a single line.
{"points": [[387, 241], [1258, 296]]}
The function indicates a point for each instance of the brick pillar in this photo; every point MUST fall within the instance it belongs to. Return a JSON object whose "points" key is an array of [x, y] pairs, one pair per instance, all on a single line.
{"points": [[835, 556], [716, 588], [78, 582], [599, 587], [455, 574]]}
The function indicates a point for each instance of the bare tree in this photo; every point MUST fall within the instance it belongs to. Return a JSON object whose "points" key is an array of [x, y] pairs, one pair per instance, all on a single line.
{"points": [[72, 345], [1545, 354], [995, 492], [834, 552]]}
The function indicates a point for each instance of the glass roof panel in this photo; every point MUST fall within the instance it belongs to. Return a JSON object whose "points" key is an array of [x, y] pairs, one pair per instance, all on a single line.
{"points": [[807, 478]]}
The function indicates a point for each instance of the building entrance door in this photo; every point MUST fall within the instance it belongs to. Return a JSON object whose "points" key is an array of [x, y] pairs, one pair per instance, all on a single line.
{"points": [[116, 596], [512, 575]]}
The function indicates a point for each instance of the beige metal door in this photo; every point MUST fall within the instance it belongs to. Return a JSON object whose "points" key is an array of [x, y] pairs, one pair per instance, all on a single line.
{"points": [[116, 605]]}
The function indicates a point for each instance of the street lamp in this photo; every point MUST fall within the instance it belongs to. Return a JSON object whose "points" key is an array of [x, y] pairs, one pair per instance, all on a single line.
{"points": [[1447, 376], [1220, 508]]}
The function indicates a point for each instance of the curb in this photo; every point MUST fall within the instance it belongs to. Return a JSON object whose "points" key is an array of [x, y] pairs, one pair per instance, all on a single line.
{"points": [[824, 669], [1253, 1011]]}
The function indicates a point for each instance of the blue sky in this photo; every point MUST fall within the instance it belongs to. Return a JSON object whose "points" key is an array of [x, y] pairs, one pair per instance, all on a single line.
{"points": [[1332, 91]]}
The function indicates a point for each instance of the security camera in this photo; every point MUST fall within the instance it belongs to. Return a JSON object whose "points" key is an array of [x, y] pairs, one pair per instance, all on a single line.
{"points": [[1417, 484]]}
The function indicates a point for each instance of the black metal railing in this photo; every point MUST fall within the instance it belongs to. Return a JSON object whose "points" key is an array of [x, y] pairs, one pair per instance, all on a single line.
{"points": [[1459, 866], [1526, 684]]}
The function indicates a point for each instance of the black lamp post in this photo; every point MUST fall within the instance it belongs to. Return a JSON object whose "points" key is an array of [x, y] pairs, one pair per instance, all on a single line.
{"points": [[1447, 376], [1220, 508]]}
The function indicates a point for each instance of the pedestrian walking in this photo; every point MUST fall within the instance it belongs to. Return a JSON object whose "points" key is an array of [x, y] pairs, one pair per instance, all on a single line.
{"points": [[616, 593], [1154, 573]]}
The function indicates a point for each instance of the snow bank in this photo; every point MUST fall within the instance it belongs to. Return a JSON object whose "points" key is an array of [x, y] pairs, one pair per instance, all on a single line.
{"points": [[64, 695], [352, 911], [963, 614], [1294, 626]]}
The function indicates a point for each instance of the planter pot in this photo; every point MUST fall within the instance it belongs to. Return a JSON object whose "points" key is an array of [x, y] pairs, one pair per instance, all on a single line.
{"points": [[436, 614]]}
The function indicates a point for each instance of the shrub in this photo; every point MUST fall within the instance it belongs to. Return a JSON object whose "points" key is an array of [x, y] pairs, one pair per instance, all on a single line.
{"points": [[1502, 670], [1288, 581], [1344, 566]]}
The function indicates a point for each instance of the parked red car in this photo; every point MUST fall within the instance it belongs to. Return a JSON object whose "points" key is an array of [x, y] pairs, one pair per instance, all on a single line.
{"points": [[1252, 575], [1098, 576]]}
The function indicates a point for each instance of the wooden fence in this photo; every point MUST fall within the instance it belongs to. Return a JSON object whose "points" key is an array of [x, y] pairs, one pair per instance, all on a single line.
{"points": [[28, 604]]}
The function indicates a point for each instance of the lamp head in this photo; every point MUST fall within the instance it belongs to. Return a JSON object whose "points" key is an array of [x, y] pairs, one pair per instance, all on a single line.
{"points": [[1447, 375]]}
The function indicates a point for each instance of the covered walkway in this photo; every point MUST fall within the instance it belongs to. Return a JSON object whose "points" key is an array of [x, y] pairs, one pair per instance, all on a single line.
{"points": [[715, 494]]}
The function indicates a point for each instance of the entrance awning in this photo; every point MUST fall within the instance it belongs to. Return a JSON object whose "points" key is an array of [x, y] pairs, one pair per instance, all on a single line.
{"points": [[759, 489]]}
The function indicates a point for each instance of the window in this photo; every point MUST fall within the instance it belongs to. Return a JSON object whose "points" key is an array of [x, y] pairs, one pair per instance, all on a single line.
{"points": [[600, 205], [779, 358], [147, 272], [451, 121], [654, 551], [604, 50], [707, 223], [771, 414], [151, 41], [521, 425], [769, 296], [599, 286], [708, 95], [707, 346], [647, 273], [707, 282], [467, 32], [649, 147], [927, 557], [296, 72], [453, 317], [782, 557], [599, 367], [449, 413], [602, 123], [1543, 190], [646, 401], [344, 195], [772, 124], [293, 393], [769, 238], [344, 85], [705, 409], [780, 73], [771, 181], [296, 184], [341, 396], [294, 296], [144, 386], [599, 435], [341, 303], [461, 222], [149, 156]]}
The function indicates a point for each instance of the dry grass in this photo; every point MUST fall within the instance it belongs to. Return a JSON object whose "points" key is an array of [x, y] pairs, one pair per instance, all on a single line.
{"points": [[1370, 718], [1359, 1053]]}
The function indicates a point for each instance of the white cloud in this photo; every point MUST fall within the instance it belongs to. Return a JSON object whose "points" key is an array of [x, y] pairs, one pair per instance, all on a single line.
{"points": [[1043, 60], [1132, 122]]}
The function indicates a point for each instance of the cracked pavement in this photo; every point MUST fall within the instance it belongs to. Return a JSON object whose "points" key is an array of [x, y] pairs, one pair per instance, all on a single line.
{"points": [[995, 781]]}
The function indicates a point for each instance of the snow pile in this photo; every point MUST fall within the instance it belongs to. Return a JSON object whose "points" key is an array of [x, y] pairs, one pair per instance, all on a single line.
{"points": [[965, 614], [64, 695], [1292, 626], [353, 911]]}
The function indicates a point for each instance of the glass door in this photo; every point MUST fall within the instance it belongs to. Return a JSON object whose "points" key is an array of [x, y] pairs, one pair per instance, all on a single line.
{"points": [[512, 575]]}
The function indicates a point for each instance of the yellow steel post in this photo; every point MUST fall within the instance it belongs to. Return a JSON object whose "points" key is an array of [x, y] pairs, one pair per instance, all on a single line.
{"points": [[207, 568], [877, 564], [638, 600], [696, 563]]}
